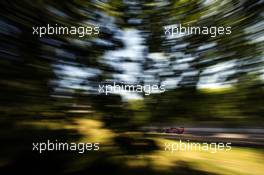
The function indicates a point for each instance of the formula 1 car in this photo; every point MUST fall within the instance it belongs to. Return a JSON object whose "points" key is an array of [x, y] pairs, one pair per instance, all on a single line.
{"points": [[179, 130]]}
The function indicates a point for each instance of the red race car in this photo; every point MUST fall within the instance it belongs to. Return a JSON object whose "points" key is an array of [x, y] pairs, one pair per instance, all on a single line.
{"points": [[179, 130]]}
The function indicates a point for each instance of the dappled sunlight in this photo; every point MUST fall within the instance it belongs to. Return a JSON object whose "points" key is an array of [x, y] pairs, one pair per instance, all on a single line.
{"points": [[117, 87], [237, 161], [94, 131], [90, 130]]}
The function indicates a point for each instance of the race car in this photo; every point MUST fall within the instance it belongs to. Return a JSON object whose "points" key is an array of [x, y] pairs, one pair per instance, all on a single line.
{"points": [[179, 130]]}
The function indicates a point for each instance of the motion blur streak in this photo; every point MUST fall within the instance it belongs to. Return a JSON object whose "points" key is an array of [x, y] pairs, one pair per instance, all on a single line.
{"points": [[49, 86]]}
